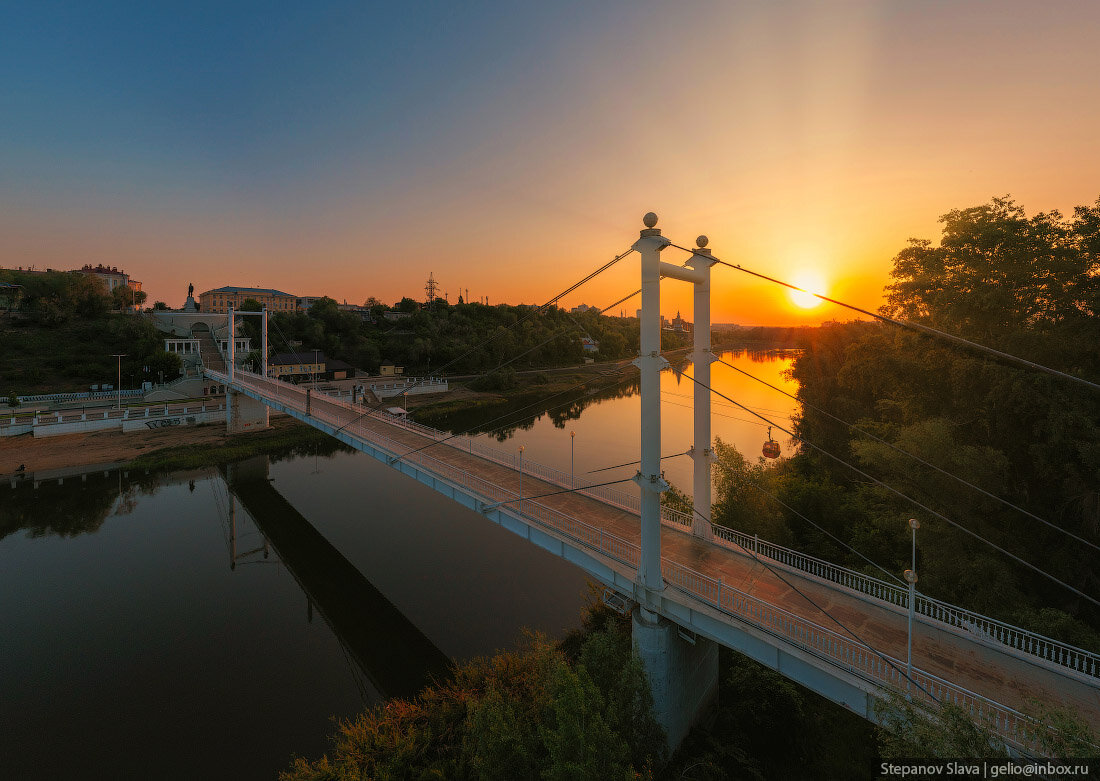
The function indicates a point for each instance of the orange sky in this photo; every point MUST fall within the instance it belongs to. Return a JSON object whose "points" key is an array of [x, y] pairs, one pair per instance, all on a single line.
{"points": [[513, 154]]}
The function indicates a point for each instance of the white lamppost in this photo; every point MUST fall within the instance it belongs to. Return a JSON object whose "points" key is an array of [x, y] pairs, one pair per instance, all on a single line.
{"points": [[911, 577], [118, 387], [521, 475], [572, 472]]}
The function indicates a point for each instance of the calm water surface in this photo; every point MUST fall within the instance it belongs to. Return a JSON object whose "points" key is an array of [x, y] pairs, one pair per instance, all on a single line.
{"points": [[213, 624]]}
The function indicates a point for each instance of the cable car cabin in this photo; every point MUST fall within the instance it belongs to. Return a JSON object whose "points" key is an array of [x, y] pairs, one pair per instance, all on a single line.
{"points": [[771, 447]]}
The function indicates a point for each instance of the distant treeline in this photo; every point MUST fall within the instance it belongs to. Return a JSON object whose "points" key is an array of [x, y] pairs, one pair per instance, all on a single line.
{"points": [[768, 335], [463, 338], [55, 297]]}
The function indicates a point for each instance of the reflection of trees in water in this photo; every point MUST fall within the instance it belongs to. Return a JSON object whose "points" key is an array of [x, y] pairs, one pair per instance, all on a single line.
{"points": [[326, 447], [560, 409], [759, 354], [80, 506], [72, 508]]}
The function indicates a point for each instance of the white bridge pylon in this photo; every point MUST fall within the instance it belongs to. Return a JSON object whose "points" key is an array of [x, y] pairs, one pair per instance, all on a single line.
{"points": [[263, 315], [650, 363]]}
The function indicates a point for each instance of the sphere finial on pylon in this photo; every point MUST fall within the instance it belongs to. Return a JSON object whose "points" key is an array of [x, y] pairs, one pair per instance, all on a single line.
{"points": [[650, 219], [701, 241]]}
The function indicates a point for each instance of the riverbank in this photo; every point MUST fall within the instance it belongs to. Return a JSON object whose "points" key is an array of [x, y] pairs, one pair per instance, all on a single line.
{"points": [[529, 387], [176, 448]]}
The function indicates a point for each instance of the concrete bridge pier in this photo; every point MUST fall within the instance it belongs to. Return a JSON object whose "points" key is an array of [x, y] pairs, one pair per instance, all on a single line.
{"points": [[683, 673], [243, 413]]}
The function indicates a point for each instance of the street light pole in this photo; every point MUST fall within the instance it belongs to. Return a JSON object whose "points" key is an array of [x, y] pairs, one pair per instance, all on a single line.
{"points": [[521, 476], [572, 471], [911, 577], [118, 387]]}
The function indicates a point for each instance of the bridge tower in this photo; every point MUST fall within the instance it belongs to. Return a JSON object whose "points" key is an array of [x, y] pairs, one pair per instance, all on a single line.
{"points": [[682, 668], [241, 412]]}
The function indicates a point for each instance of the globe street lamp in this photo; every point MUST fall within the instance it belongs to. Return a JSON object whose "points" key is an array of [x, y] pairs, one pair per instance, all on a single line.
{"points": [[521, 476], [572, 472], [911, 577], [118, 387]]}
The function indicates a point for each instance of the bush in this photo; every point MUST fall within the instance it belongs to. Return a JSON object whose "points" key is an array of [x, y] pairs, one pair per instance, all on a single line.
{"points": [[533, 713], [499, 380]]}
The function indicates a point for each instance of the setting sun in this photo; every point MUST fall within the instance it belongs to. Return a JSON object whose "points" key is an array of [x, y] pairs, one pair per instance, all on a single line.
{"points": [[810, 281]]}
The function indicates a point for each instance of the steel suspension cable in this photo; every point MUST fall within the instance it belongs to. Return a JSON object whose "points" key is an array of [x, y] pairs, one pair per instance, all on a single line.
{"points": [[752, 484], [927, 330], [508, 415], [533, 312], [907, 498], [537, 346], [917, 458], [494, 505], [827, 614]]}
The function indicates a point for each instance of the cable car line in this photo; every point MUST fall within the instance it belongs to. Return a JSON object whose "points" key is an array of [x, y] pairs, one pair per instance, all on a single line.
{"points": [[917, 458], [911, 500]]}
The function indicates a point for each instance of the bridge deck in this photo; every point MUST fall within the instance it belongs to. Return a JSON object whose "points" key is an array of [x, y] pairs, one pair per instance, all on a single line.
{"points": [[1004, 676]]}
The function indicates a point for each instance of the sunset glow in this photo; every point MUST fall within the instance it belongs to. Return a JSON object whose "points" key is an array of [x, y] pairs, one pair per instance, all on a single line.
{"points": [[331, 167], [811, 282]]}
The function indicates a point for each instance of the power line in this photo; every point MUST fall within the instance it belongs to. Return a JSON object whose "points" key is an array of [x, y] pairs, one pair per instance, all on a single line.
{"points": [[517, 357], [501, 417], [906, 324], [720, 404], [917, 458], [494, 505], [786, 412], [719, 414], [825, 531], [631, 463], [913, 501]]}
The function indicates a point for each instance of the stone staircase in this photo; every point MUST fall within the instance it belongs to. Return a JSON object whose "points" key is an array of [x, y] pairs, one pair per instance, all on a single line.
{"points": [[209, 353]]}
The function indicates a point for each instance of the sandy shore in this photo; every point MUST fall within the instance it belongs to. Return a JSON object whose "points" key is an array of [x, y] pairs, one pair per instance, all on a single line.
{"points": [[103, 447]]}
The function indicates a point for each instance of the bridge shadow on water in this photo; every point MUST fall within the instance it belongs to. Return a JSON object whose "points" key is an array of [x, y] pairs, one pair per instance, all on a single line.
{"points": [[397, 658]]}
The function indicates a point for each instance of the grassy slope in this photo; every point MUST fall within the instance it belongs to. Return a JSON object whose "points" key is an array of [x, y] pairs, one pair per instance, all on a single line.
{"points": [[64, 358]]}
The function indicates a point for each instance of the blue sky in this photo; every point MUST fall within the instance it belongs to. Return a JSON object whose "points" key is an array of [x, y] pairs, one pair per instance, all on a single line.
{"points": [[350, 148]]}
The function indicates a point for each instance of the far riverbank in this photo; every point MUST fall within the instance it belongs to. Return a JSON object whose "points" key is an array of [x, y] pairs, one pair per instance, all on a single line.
{"points": [[179, 448]]}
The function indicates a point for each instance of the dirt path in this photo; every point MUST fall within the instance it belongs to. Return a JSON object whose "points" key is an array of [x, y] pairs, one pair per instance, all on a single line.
{"points": [[104, 447]]}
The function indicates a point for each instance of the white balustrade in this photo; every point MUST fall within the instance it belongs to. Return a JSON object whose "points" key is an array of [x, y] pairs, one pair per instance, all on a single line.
{"points": [[981, 628]]}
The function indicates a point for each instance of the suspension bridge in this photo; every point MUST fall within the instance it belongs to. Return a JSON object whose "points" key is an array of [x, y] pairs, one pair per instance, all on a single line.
{"points": [[691, 585]]}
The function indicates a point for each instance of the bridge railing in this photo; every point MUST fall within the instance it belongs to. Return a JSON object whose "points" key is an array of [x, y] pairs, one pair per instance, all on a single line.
{"points": [[849, 653], [981, 628], [844, 652]]}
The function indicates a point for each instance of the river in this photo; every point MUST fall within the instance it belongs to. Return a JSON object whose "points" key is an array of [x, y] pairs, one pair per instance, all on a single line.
{"points": [[155, 629]]}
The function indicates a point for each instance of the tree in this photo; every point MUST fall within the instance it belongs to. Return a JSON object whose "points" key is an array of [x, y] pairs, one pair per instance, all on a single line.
{"points": [[121, 297], [88, 295], [1029, 286], [124, 297], [533, 713], [160, 306], [163, 364], [996, 273]]}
